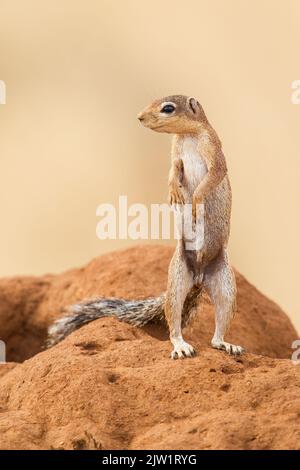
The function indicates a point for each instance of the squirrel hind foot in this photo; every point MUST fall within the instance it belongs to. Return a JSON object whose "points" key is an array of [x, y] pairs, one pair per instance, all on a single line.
{"points": [[182, 349], [231, 349]]}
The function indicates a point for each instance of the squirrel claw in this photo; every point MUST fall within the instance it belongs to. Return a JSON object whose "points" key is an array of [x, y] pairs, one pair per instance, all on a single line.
{"points": [[182, 350], [231, 349], [176, 197]]}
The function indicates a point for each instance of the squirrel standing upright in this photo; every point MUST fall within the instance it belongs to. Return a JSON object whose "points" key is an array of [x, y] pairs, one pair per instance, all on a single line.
{"points": [[198, 176]]}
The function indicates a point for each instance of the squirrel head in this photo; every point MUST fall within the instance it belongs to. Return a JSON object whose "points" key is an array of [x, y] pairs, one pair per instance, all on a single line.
{"points": [[175, 114]]}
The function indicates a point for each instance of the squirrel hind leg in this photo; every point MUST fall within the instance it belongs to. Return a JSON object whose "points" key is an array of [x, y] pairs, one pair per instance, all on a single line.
{"points": [[221, 287], [180, 282]]}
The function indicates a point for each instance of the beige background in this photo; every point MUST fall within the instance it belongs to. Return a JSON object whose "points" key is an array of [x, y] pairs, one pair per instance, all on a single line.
{"points": [[77, 73]]}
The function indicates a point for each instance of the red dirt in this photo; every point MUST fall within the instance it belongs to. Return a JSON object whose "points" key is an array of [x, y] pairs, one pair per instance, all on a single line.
{"points": [[110, 385]]}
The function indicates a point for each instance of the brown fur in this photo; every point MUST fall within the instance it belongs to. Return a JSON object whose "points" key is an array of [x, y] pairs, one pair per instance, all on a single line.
{"points": [[198, 175], [207, 267]]}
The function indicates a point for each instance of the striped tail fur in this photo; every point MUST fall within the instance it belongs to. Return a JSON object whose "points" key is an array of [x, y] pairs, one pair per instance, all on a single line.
{"points": [[134, 312]]}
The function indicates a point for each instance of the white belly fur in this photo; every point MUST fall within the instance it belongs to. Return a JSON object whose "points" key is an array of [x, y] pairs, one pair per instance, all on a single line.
{"points": [[194, 165], [194, 170]]}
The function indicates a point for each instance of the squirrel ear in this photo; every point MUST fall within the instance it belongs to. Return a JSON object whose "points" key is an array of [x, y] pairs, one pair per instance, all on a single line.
{"points": [[194, 105]]}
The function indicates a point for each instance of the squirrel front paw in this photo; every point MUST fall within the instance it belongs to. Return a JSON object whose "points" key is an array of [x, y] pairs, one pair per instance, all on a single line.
{"points": [[175, 195], [197, 201]]}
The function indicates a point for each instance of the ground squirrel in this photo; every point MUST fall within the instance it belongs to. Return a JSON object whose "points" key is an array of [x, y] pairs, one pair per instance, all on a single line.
{"points": [[198, 177]]}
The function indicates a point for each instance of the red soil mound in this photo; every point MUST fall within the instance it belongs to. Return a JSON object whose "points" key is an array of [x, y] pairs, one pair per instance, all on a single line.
{"points": [[110, 385]]}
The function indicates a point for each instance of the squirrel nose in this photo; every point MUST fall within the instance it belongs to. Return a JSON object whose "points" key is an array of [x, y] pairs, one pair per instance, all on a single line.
{"points": [[141, 117]]}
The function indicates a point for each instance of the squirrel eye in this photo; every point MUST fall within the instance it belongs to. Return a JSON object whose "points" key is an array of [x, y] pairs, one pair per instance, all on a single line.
{"points": [[168, 109]]}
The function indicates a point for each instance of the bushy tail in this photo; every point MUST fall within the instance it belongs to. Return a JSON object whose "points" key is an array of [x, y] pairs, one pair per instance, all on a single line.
{"points": [[135, 312]]}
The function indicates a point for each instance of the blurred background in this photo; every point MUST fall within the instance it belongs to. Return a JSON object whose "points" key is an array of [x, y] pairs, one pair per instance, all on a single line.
{"points": [[78, 72]]}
